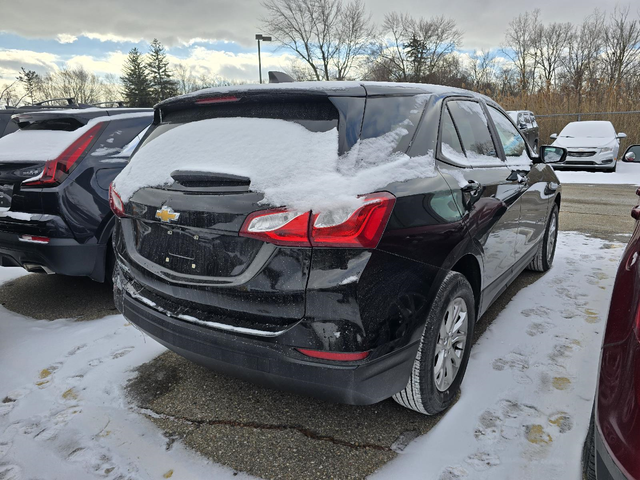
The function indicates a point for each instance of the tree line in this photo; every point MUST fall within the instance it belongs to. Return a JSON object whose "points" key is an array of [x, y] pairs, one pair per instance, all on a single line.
{"points": [[552, 67]]}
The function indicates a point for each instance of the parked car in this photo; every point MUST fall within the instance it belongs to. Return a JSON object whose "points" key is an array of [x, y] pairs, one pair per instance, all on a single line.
{"points": [[55, 173], [612, 447], [527, 124], [592, 144], [7, 126], [632, 154], [353, 304]]}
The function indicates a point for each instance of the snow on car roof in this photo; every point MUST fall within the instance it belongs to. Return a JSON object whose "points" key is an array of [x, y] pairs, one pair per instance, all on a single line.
{"points": [[589, 129], [43, 145]]}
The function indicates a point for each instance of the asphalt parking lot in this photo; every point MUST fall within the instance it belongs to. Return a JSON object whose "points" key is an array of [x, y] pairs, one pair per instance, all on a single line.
{"points": [[273, 434]]}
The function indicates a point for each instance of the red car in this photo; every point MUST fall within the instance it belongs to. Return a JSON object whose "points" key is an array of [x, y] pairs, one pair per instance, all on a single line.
{"points": [[612, 448]]}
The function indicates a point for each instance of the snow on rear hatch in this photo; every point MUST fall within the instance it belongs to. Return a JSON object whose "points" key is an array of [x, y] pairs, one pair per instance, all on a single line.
{"points": [[289, 164]]}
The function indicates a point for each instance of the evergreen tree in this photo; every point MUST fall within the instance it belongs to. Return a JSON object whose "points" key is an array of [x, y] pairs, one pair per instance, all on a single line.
{"points": [[30, 81], [163, 85], [136, 81]]}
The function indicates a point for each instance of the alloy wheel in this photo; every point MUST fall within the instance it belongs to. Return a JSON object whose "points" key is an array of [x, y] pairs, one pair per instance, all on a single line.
{"points": [[452, 338]]}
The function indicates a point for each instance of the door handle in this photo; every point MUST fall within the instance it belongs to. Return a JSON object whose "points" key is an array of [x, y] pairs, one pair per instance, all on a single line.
{"points": [[472, 187], [517, 176]]}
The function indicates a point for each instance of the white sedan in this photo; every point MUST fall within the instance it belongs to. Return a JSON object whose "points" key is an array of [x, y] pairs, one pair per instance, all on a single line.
{"points": [[592, 144]]}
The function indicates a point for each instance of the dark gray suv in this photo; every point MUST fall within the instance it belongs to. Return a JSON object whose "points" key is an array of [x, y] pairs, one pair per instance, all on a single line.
{"points": [[526, 122]]}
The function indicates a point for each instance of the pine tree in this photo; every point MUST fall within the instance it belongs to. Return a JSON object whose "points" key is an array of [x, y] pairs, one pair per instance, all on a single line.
{"points": [[163, 85], [136, 81], [30, 81]]}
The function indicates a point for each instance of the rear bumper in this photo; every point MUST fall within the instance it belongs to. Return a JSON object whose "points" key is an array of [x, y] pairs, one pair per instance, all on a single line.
{"points": [[270, 363], [61, 255], [606, 468]]}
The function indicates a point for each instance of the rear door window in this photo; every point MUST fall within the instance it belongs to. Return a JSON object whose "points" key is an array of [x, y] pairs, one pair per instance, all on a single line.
{"points": [[473, 129], [396, 116]]}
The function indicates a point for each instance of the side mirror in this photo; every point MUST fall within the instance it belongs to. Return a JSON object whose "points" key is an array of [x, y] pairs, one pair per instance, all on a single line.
{"points": [[621, 135], [554, 135], [632, 154], [522, 125], [551, 154]]}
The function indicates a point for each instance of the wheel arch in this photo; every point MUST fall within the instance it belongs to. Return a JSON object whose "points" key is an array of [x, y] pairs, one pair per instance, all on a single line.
{"points": [[469, 266]]}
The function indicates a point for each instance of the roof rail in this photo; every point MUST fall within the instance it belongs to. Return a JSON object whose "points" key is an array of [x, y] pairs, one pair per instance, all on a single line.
{"points": [[118, 103], [69, 100]]}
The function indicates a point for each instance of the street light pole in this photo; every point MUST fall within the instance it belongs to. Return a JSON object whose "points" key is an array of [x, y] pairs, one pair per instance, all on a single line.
{"points": [[264, 39]]}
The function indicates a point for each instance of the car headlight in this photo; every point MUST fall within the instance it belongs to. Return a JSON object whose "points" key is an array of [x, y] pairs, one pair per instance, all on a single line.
{"points": [[606, 150]]}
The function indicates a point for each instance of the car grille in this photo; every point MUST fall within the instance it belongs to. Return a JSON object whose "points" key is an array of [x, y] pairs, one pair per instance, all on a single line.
{"points": [[581, 154]]}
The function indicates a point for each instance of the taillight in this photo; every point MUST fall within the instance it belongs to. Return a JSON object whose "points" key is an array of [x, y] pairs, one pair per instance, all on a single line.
{"points": [[359, 227], [55, 171], [338, 356], [210, 101], [115, 202], [278, 226], [33, 239]]}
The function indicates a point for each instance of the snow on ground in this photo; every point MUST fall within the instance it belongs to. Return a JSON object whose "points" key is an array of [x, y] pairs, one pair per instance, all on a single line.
{"points": [[523, 412], [528, 391], [63, 413], [625, 174]]}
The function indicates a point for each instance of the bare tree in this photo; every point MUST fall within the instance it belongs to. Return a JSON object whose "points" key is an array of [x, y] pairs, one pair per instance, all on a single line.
{"points": [[77, 82], [621, 54], [482, 69], [519, 46], [583, 53], [7, 93], [551, 45], [411, 49], [328, 35]]}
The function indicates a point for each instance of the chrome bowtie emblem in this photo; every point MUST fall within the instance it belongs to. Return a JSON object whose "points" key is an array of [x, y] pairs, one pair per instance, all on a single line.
{"points": [[166, 214]]}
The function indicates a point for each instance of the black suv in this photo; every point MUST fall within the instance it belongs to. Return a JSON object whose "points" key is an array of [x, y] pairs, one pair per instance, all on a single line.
{"points": [[55, 173], [353, 305]]}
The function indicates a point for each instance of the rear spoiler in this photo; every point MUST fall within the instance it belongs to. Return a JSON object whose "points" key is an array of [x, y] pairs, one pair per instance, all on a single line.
{"points": [[75, 119]]}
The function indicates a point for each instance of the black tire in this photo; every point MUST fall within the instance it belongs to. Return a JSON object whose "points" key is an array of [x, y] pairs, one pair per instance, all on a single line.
{"points": [[421, 393], [589, 452], [546, 252]]}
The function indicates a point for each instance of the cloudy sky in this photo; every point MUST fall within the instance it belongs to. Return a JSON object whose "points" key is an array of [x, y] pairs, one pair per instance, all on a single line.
{"points": [[214, 36]]}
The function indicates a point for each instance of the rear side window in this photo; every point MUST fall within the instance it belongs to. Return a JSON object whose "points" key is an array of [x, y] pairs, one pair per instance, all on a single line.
{"points": [[401, 115], [119, 134], [473, 130], [512, 142], [450, 141]]}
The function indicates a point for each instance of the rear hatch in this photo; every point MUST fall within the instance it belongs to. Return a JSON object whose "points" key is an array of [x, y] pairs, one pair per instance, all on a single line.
{"points": [[184, 237], [42, 136]]}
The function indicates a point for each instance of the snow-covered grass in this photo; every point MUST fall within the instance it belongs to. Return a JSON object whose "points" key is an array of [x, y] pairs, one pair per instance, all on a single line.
{"points": [[528, 392], [523, 412], [625, 174], [63, 413]]}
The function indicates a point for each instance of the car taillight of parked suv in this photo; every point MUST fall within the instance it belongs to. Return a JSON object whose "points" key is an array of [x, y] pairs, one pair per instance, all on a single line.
{"points": [[612, 448], [55, 173], [335, 239]]}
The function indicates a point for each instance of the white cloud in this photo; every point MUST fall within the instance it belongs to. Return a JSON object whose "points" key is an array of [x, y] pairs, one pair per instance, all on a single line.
{"points": [[66, 38], [200, 61], [110, 37]]}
